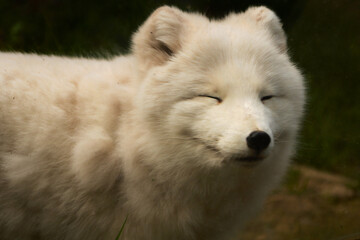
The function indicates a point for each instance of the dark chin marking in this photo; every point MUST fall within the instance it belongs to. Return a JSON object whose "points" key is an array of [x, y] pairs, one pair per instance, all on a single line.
{"points": [[186, 132]]}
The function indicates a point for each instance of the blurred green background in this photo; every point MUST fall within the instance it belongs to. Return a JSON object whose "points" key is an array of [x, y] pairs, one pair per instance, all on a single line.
{"points": [[323, 37]]}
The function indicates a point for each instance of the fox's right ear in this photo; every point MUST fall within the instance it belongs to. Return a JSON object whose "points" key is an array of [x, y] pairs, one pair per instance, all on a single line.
{"points": [[160, 36]]}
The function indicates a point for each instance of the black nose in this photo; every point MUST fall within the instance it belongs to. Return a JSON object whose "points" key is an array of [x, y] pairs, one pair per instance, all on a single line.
{"points": [[258, 140]]}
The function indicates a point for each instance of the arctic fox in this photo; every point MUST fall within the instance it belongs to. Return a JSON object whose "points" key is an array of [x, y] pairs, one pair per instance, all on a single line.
{"points": [[184, 137]]}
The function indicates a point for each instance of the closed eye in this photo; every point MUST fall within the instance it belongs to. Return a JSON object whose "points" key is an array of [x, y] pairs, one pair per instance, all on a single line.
{"points": [[266, 98], [213, 97]]}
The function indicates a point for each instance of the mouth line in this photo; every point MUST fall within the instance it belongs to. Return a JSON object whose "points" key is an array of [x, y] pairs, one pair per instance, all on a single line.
{"points": [[243, 159], [209, 147], [249, 159]]}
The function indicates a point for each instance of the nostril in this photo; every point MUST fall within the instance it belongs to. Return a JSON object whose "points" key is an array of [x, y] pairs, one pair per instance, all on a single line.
{"points": [[258, 140]]}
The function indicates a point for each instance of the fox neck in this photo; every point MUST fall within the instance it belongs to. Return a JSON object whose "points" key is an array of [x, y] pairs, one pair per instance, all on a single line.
{"points": [[165, 195]]}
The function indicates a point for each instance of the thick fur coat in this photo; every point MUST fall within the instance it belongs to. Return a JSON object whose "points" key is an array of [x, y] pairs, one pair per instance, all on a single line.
{"points": [[160, 136]]}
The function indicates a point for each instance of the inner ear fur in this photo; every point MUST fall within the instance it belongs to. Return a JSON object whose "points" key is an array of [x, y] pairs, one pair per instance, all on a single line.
{"points": [[159, 37]]}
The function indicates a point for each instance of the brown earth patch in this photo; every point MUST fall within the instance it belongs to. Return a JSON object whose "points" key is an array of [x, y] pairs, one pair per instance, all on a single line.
{"points": [[310, 205]]}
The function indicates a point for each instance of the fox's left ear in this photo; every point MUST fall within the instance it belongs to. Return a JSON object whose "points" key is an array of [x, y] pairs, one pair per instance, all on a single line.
{"points": [[270, 21], [160, 36]]}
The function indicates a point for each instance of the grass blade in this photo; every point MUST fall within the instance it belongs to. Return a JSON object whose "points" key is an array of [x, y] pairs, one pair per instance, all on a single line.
{"points": [[121, 230]]}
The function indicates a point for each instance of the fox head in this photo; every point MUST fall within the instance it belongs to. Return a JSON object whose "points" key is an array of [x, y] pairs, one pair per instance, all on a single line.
{"points": [[217, 92]]}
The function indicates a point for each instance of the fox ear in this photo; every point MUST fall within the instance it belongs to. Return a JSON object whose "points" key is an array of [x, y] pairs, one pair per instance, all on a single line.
{"points": [[160, 36], [268, 19]]}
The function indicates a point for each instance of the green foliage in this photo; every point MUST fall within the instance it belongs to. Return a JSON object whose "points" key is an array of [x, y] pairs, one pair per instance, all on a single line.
{"points": [[325, 41], [90, 27]]}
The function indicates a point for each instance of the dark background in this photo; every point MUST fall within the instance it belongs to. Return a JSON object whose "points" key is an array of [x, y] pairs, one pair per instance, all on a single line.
{"points": [[323, 38]]}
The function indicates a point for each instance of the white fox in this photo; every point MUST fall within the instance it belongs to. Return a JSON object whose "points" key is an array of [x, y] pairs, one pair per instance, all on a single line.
{"points": [[184, 137]]}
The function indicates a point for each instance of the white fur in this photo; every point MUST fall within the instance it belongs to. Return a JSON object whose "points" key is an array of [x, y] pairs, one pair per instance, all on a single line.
{"points": [[85, 143]]}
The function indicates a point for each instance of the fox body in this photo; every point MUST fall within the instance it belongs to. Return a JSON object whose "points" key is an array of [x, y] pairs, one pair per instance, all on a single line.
{"points": [[184, 137]]}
